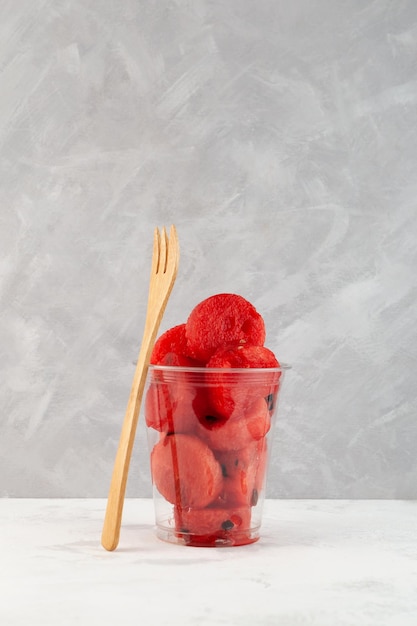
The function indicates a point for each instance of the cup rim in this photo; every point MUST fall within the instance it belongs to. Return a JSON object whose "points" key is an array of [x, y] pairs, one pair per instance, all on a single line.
{"points": [[218, 370]]}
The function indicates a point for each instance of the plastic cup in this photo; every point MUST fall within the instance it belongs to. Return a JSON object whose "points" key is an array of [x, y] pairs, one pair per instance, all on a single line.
{"points": [[209, 434]]}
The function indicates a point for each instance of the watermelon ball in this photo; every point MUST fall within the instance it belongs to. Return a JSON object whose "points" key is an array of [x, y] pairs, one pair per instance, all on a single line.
{"points": [[261, 468], [175, 400], [239, 491], [171, 349], [237, 433], [185, 471], [221, 320], [243, 474], [234, 462], [214, 526], [243, 356], [232, 396], [171, 409]]}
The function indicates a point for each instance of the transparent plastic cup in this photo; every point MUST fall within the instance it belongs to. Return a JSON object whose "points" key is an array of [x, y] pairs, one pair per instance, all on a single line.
{"points": [[209, 434]]}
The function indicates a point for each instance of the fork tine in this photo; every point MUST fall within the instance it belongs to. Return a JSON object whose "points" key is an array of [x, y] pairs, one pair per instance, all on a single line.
{"points": [[174, 249], [163, 251], [155, 251]]}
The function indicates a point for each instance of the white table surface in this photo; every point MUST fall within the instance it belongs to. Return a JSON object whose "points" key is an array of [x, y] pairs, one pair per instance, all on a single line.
{"points": [[318, 563]]}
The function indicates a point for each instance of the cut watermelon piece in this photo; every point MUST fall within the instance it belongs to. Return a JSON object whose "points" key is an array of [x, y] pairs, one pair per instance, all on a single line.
{"points": [[233, 462], [185, 471], [222, 320], [243, 474], [170, 412], [174, 402], [243, 356], [214, 526], [236, 433], [171, 349], [230, 399], [262, 467], [239, 491]]}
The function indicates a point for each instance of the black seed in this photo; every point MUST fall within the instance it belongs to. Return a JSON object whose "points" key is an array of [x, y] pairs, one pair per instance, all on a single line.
{"points": [[270, 401], [227, 525], [211, 418], [184, 530], [254, 498], [236, 462], [224, 470]]}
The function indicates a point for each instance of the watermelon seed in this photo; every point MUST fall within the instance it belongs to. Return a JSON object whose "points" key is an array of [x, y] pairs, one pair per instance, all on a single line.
{"points": [[224, 470], [254, 498], [227, 525], [211, 421], [270, 401]]}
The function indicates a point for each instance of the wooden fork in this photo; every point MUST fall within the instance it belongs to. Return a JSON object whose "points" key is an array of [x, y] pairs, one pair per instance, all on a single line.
{"points": [[164, 268]]}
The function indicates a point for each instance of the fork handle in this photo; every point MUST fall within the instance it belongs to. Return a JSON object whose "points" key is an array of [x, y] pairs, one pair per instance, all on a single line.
{"points": [[114, 510]]}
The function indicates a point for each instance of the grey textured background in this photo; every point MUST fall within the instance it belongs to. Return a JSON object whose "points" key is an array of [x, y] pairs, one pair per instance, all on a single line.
{"points": [[280, 138]]}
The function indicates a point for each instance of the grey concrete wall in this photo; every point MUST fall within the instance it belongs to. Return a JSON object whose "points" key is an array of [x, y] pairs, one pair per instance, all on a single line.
{"points": [[280, 138]]}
